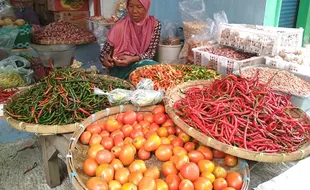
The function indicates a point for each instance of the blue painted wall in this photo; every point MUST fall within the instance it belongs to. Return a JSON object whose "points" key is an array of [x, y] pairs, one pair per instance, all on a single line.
{"points": [[238, 11]]}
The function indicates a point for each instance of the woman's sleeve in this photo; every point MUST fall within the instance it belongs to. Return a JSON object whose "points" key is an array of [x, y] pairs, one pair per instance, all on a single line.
{"points": [[105, 50], [150, 53]]}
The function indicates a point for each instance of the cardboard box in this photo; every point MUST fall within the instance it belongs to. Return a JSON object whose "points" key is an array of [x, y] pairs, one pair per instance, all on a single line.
{"points": [[68, 5], [75, 17]]}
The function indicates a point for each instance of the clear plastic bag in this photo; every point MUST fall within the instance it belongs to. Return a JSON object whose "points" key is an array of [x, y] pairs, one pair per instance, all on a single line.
{"points": [[169, 35], [7, 39], [20, 65], [145, 84], [6, 9], [146, 97]]}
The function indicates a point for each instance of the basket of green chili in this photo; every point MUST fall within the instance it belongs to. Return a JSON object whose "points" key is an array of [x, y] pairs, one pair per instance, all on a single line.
{"points": [[60, 102]]}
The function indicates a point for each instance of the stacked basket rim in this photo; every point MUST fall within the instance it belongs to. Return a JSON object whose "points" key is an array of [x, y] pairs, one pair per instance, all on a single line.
{"points": [[46, 129], [177, 92]]}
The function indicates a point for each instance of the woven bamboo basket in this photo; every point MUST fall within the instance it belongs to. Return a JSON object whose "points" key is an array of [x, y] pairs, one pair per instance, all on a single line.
{"points": [[158, 65], [77, 152], [46, 129], [178, 92]]}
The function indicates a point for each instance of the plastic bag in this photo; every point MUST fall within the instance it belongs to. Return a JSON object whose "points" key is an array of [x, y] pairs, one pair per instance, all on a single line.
{"points": [[194, 17], [20, 65], [139, 97], [7, 39], [169, 35], [6, 9], [146, 97], [145, 84]]}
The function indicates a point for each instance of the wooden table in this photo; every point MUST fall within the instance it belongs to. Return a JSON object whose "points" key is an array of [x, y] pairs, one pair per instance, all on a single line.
{"points": [[54, 144]]}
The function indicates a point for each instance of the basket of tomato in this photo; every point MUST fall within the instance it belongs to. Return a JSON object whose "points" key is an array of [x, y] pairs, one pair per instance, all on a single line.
{"points": [[141, 148]]}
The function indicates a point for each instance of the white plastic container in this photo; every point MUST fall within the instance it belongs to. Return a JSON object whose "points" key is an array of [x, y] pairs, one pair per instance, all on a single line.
{"points": [[168, 53], [303, 102], [222, 65], [262, 40]]}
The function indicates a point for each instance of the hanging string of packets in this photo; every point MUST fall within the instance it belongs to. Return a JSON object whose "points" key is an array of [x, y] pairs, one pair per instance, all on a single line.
{"points": [[144, 95]]}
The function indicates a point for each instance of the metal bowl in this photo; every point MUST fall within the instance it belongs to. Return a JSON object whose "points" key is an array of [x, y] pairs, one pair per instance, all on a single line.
{"points": [[60, 54]]}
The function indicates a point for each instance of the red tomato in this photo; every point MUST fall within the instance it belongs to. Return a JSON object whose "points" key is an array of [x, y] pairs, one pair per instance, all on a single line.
{"points": [[127, 129], [206, 166], [162, 132], [143, 154], [218, 154], [136, 133], [230, 160], [105, 172], [161, 184], [129, 117], [160, 118], [144, 124], [114, 185], [112, 125], [140, 116], [116, 151], [154, 127], [92, 151], [138, 142], [206, 151], [152, 143], [186, 185], [158, 109], [122, 175], [152, 172], [94, 128], [178, 130], [149, 134], [171, 130], [168, 123], [118, 141], [117, 132], [104, 156], [180, 161], [107, 143], [85, 137], [135, 177], [190, 171], [163, 153], [104, 134], [137, 127], [177, 142], [234, 180], [147, 183], [229, 188], [203, 184], [178, 151], [149, 118], [116, 164], [128, 140], [169, 168], [127, 155], [195, 156], [189, 146], [165, 140], [89, 167], [95, 139], [119, 117], [137, 166], [219, 184], [219, 172], [185, 137], [173, 181], [96, 183]]}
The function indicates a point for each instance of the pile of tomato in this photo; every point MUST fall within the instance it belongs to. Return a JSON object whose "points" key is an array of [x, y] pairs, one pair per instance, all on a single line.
{"points": [[121, 145]]}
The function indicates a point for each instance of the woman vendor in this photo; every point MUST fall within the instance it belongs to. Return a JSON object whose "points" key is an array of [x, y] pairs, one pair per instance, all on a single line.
{"points": [[132, 41]]}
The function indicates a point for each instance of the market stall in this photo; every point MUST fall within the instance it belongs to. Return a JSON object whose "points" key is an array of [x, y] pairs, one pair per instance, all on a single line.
{"points": [[236, 107]]}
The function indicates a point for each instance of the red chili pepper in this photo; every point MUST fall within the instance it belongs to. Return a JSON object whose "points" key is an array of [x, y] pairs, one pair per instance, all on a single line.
{"points": [[84, 111]]}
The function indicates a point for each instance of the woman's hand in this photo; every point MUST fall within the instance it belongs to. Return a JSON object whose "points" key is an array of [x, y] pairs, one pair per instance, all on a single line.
{"points": [[108, 61], [126, 60]]}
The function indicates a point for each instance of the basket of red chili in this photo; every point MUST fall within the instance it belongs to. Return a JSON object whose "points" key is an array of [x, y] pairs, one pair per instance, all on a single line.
{"points": [[166, 76], [241, 117], [60, 102]]}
